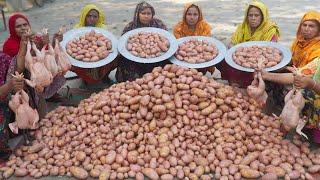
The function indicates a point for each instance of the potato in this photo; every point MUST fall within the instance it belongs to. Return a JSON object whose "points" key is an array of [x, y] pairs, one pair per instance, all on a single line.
{"points": [[139, 176], [196, 51], [104, 175], [314, 169], [158, 108], [135, 168], [208, 110], [249, 158], [269, 176], [309, 176], [152, 47], [250, 173], [199, 171], [54, 171], [225, 163], [150, 173], [78, 172], [8, 173], [294, 174], [35, 148], [21, 172], [89, 47], [199, 93], [250, 56], [276, 170], [167, 177], [95, 173], [31, 157]]}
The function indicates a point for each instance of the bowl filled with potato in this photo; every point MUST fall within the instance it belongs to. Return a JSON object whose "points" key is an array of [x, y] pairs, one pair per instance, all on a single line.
{"points": [[245, 56], [90, 47], [147, 45], [198, 52]]}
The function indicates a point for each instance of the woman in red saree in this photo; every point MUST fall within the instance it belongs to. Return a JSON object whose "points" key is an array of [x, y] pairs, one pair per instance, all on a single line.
{"points": [[12, 59]]}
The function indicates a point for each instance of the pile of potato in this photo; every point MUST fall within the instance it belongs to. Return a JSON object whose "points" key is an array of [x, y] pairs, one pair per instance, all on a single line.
{"points": [[171, 123], [90, 47], [196, 51], [147, 45], [251, 55]]}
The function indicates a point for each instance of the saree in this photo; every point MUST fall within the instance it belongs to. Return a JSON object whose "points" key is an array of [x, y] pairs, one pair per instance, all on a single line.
{"points": [[129, 70], [267, 31], [5, 113], [202, 27], [304, 51], [94, 75]]}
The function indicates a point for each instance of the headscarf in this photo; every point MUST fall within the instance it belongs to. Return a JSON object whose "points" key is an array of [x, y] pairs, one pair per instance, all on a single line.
{"points": [[304, 51], [157, 23], [12, 44], [264, 32], [84, 12], [202, 27]]}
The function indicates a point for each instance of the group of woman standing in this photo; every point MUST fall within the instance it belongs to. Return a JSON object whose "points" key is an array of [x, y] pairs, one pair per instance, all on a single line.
{"points": [[256, 26]]}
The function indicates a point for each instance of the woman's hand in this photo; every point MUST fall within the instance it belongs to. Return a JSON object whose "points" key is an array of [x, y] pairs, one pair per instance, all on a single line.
{"points": [[17, 84], [263, 73], [22, 53], [23, 44], [57, 36], [32, 36], [45, 39], [302, 82]]}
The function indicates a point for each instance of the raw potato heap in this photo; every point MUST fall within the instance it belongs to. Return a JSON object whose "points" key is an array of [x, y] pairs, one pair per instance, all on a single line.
{"points": [[173, 122], [249, 56], [90, 47], [147, 45], [195, 51]]}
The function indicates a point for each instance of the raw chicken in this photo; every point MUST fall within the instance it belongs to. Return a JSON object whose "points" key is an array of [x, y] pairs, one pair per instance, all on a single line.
{"points": [[61, 59], [48, 55], [26, 117], [39, 54], [40, 76], [294, 103], [257, 90], [14, 103], [29, 59], [50, 62]]}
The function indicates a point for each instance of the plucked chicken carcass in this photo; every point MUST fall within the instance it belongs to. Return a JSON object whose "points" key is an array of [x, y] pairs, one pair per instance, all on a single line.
{"points": [[29, 60], [294, 103], [61, 58], [26, 117], [49, 57], [50, 61], [40, 76], [257, 90]]}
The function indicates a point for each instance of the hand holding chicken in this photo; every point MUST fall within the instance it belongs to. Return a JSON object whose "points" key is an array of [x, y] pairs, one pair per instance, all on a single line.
{"points": [[257, 88], [26, 117]]}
